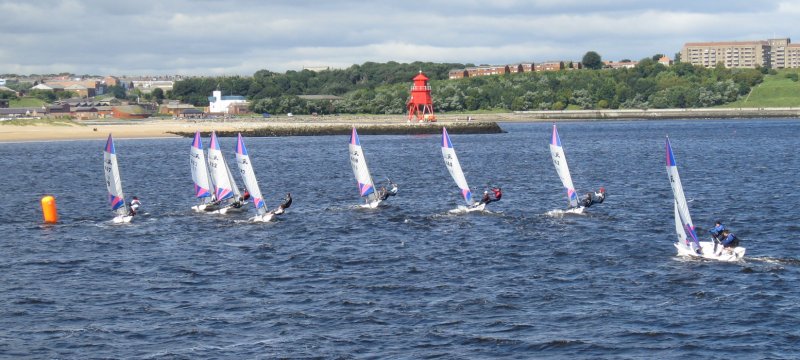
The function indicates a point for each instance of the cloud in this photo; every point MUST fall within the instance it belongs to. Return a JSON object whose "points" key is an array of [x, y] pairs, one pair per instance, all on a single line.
{"points": [[203, 37]]}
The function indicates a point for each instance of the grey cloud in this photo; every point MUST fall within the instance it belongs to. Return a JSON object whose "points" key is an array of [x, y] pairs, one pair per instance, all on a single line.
{"points": [[243, 36]]}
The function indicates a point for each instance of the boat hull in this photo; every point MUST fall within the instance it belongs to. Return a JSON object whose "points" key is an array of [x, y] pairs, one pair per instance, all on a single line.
{"points": [[228, 209], [721, 254], [467, 209], [371, 205], [122, 219], [263, 218]]}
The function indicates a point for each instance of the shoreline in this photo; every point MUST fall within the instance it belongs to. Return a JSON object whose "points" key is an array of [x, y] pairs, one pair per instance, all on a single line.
{"points": [[307, 125]]}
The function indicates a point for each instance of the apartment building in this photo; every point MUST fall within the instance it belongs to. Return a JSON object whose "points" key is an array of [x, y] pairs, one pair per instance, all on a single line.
{"points": [[773, 53]]}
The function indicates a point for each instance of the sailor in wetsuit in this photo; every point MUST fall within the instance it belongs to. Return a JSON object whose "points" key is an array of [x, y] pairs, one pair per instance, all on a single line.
{"points": [[287, 201], [134, 206], [593, 198], [384, 194], [496, 191]]}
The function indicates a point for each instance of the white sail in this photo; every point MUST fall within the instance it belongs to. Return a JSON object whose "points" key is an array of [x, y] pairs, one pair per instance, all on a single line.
{"points": [[358, 162], [454, 167], [236, 192], [197, 162], [560, 162], [687, 226], [220, 175], [679, 226], [249, 176], [113, 182]]}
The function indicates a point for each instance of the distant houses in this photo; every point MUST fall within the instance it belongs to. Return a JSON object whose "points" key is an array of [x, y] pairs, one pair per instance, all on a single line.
{"points": [[485, 70]]}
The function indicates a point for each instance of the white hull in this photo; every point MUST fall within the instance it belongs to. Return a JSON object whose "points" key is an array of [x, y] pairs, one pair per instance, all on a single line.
{"points": [[467, 209], [223, 210], [200, 208], [229, 209], [708, 252], [371, 205], [122, 219], [558, 212], [576, 210], [262, 218]]}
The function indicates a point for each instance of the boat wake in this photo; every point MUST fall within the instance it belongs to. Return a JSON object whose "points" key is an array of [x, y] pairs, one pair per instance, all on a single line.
{"points": [[561, 212], [769, 260]]}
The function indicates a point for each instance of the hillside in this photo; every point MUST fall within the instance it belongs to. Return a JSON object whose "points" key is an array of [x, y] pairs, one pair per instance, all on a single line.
{"points": [[776, 91]]}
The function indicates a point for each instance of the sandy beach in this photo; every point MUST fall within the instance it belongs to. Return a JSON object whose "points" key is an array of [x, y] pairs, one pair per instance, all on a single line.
{"points": [[159, 127]]}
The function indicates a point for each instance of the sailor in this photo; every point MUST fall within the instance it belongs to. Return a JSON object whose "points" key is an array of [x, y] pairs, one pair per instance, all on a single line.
{"points": [[729, 240], [485, 199], [716, 232], [384, 194], [134, 206], [214, 204], [600, 195], [239, 201], [287, 201], [496, 191], [593, 198], [586, 200]]}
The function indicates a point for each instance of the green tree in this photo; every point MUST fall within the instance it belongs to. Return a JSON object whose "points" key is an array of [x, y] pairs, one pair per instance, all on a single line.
{"points": [[117, 91], [592, 60], [158, 95]]}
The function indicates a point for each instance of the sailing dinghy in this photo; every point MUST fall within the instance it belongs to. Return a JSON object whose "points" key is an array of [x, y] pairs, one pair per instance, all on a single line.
{"points": [[226, 191], [202, 182], [688, 244], [560, 162], [114, 184], [366, 187], [454, 167], [250, 182]]}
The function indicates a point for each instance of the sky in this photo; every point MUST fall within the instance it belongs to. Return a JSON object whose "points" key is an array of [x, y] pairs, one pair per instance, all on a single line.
{"points": [[240, 37]]}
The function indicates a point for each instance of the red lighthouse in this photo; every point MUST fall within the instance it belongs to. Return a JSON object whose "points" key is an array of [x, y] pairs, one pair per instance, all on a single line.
{"points": [[421, 103]]}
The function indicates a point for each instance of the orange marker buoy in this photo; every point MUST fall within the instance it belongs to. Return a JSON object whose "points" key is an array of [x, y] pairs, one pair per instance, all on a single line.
{"points": [[49, 209]]}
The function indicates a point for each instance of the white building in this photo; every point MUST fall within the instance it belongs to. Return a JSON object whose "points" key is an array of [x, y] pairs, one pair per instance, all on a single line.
{"points": [[219, 104]]}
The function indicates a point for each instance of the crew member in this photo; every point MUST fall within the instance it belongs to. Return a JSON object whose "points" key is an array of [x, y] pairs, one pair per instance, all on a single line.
{"points": [[384, 194], [134, 206], [729, 240], [287, 201], [716, 231]]}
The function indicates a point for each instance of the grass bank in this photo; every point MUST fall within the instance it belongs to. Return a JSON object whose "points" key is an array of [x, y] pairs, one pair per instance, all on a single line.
{"points": [[40, 122], [775, 91]]}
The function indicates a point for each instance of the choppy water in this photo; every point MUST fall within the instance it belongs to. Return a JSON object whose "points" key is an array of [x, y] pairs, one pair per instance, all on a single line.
{"points": [[408, 280]]}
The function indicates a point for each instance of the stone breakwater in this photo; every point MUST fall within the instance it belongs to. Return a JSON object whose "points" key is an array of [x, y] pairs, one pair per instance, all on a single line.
{"points": [[483, 127]]}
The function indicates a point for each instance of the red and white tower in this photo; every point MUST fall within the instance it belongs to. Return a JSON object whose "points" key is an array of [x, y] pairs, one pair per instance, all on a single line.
{"points": [[420, 104]]}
